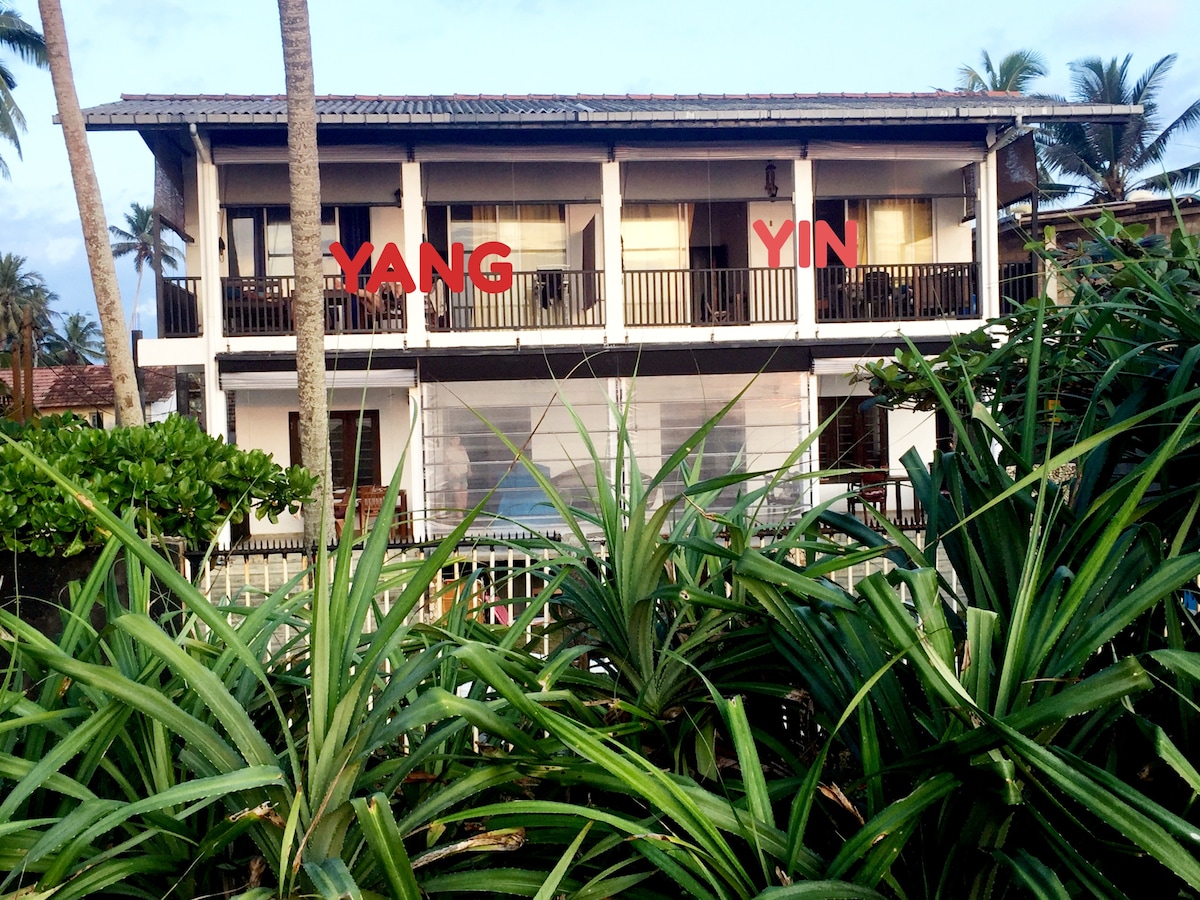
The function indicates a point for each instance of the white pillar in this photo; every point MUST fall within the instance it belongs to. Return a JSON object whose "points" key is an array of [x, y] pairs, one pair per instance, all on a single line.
{"points": [[416, 445], [809, 396], [208, 208], [614, 282], [987, 238], [413, 215], [806, 282]]}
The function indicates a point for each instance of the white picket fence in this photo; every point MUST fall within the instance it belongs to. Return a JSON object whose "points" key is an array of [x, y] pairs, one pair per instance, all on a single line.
{"points": [[505, 573]]}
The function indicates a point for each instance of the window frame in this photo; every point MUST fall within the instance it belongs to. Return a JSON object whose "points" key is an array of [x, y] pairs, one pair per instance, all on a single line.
{"points": [[845, 413], [341, 480]]}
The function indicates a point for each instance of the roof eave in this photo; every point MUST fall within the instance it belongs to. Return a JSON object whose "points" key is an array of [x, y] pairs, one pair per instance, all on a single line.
{"points": [[981, 115]]}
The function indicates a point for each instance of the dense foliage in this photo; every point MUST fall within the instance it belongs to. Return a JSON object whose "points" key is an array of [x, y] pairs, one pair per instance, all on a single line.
{"points": [[1124, 348], [702, 715], [178, 480]]}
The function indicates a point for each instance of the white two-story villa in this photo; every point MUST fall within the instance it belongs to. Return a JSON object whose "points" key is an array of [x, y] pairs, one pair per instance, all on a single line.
{"points": [[665, 252]]}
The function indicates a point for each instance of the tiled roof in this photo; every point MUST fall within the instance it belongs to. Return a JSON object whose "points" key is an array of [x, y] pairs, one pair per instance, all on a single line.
{"points": [[475, 109], [88, 387]]}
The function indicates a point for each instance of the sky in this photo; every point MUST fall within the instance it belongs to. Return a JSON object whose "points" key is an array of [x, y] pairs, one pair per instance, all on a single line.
{"points": [[525, 47]]}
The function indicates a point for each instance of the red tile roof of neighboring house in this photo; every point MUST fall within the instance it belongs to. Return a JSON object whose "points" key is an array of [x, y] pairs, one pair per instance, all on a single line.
{"points": [[88, 387]]}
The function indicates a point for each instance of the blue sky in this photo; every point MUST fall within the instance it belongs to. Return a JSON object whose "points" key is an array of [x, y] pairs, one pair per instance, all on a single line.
{"points": [[527, 46]]}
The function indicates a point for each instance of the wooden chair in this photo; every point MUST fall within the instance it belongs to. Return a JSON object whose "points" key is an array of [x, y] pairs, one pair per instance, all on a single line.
{"points": [[370, 508], [872, 488]]}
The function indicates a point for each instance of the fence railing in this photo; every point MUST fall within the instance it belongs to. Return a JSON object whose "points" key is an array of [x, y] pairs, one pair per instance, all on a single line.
{"points": [[886, 293], [546, 298], [1019, 284], [892, 497], [263, 306], [704, 297], [499, 581], [179, 307]]}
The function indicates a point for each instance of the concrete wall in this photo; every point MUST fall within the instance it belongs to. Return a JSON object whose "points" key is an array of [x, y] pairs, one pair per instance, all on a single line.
{"points": [[262, 423]]}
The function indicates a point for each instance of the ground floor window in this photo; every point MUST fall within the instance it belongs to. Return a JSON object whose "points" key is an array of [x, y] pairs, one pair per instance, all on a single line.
{"points": [[853, 437], [569, 428], [345, 428]]}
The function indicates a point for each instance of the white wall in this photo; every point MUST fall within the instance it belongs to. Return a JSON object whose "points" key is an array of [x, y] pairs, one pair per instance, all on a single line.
{"points": [[262, 423], [774, 215], [906, 429], [952, 238], [387, 227]]}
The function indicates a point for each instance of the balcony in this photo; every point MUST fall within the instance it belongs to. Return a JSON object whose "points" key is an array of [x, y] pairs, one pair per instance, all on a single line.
{"points": [[889, 293], [546, 298], [1019, 284], [263, 307], [178, 308], [704, 297]]}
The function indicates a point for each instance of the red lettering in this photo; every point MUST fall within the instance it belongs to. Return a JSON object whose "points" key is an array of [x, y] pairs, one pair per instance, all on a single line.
{"points": [[453, 273], [773, 242], [504, 270], [350, 267], [804, 243], [390, 263], [847, 252]]}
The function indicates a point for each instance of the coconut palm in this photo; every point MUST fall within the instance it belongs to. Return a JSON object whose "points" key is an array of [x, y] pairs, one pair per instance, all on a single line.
{"points": [[1114, 159], [308, 304], [21, 38], [126, 400], [139, 239], [79, 342], [21, 288], [1015, 72]]}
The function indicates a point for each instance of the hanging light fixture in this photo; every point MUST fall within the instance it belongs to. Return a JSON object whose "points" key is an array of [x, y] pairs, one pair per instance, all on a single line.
{"points": [[771, 188]]}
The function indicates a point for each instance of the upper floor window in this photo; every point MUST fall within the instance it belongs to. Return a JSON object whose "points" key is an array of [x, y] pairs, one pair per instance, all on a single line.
{"points": [[536, 232], [890, 231], [259, 239]]}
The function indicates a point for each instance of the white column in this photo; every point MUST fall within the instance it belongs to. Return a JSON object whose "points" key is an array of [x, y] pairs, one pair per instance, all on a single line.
{"points": [[614, 282], [987, 238], [413, 215], [810, 393], [208, 208], [806, 282], [416, 445]]}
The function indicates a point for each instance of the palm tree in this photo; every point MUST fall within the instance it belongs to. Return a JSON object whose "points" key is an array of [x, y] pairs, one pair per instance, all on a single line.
{"points": [[21, 38], [140, 240], [308, 303], [1110, 158], [79, 343], [1015, 72], [21, 288], [91, 214]]}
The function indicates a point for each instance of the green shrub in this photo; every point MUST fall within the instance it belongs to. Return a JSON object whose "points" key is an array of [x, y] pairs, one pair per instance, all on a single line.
{"points": [[179, 480]]}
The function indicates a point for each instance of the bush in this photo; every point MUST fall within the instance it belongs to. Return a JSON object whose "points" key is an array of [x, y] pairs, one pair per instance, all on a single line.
{"points": [[171, 476]]}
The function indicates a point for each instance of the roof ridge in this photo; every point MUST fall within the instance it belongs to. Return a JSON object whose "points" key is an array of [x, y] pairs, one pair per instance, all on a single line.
{"points": [[858, 95]]}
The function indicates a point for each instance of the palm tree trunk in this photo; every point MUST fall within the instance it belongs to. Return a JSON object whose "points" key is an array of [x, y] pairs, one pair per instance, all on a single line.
{"points": [[91, 215], [308, 300]]}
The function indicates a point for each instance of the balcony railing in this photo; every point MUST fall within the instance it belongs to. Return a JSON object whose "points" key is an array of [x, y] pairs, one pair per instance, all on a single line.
{"points": [[546, 298], [1019, 284], [886, 293], [178, 307], [263, 306], [704, 297]]}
